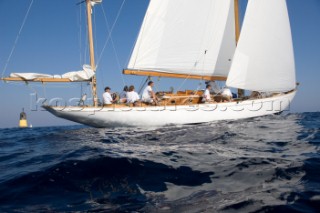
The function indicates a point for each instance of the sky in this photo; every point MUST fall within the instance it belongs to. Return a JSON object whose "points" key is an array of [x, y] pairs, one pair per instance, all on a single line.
{"points": [[53, 41]]}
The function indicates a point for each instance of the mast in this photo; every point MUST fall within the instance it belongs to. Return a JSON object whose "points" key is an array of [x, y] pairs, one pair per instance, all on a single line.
{"points": [[237, 31], [237, 22], [91, 48]]}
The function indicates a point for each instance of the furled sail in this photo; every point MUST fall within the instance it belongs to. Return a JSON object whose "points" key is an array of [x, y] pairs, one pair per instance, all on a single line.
{"points": [[83, 75], [264, 59], [189, 37]]}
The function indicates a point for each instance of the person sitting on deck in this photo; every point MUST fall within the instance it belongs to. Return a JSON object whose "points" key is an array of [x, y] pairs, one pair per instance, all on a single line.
{"points": [[206, 95], [226, 95], [132, 96], [255, 95], [123, 95], [215, 89], [107, 99], [148, 96], [82, 100]]}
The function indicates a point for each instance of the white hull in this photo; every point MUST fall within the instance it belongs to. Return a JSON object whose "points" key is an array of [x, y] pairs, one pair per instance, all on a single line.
{"points": [[168, 115]]}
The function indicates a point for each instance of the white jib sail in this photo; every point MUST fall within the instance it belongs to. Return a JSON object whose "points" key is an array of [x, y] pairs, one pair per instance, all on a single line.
{"points": [[264, 59], [186, 37]]}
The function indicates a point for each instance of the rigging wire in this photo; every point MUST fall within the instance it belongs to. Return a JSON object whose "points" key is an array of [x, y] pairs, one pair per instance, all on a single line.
{"points": [[117, 60], [111, 30], [203, 65], [143, 83], [17, 38], [111, 39]]}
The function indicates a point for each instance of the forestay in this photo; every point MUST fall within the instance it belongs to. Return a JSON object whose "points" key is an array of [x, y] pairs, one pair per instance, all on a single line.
{"points": [[264, 59], [186, 37]]}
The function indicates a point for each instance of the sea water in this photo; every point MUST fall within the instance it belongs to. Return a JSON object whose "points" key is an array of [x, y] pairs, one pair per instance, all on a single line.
{"points": [[266, 164]]}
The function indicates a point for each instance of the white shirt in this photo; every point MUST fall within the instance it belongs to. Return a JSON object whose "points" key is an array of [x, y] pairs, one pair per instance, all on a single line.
{"points": [[132, 97], [107, 99], [146, 95], [226, 92], [206, 95]]}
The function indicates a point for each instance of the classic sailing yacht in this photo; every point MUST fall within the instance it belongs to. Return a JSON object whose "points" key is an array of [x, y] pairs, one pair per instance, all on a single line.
{"points": [[194, 39]]}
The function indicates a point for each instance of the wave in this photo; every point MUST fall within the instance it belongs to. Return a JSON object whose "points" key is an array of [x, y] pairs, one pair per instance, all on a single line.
{"points": [[265, 164], [82, 184]]}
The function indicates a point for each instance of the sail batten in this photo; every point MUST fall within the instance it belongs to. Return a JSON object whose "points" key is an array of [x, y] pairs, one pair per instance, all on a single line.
{"points": [[186, 37], [264, 59]]}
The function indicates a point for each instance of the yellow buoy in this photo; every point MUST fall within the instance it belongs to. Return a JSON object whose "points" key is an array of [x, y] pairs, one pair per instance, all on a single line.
{"points": [[23, 120]]}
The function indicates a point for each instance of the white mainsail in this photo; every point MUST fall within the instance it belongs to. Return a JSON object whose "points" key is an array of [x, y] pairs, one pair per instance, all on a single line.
{"points": [[186, 37], [264, 59]]}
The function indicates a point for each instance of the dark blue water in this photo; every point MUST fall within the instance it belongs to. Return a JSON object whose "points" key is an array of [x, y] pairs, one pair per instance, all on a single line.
{"points": [[268, 164]]}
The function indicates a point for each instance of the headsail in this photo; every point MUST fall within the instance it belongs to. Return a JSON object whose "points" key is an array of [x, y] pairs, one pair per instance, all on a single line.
{"points": [[189, 37], [264, 59]]}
